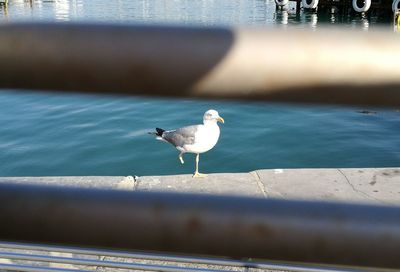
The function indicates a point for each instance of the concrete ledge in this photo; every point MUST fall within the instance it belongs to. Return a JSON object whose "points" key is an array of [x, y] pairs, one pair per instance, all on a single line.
{"points": [[226, 183], [362, 185], [376, 185]]}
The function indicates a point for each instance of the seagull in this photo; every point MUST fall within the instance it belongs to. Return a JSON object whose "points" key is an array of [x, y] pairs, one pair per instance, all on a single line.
{"points": [[193, 139]]}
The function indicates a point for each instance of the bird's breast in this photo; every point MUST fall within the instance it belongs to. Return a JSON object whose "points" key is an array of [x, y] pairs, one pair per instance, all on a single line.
{"points": [[205, 139]]}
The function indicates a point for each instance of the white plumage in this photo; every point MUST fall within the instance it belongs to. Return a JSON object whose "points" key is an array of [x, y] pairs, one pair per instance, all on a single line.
{"points": [[194, 139], [205, 138]]}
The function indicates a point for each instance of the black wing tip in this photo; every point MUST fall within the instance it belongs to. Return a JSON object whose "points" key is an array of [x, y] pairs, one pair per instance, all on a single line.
{"points": [[160, 131]]}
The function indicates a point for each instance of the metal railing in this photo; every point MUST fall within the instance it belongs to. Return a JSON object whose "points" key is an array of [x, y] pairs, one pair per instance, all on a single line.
{"points": [[137, 261], [337, 67], [237, 227], [331, 66]]}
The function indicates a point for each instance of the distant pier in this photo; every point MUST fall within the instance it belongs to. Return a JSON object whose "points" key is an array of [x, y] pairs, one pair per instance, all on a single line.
{"points": [[360, 6]]}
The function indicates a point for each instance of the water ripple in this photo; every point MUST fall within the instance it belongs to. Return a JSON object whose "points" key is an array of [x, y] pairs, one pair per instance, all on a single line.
{"points": [[93, 135]]}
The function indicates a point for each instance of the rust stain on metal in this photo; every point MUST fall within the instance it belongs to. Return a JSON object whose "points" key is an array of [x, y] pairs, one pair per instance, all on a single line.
{"points": [[193, 225], [262, 230]]}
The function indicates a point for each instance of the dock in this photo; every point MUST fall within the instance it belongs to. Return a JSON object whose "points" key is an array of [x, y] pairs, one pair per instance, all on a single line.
{"points": [[353, 185], [358, 6]]}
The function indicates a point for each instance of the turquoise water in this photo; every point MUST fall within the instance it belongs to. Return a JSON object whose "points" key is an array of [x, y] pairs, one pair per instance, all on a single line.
{"points": [[45, 134], [52, 134]]}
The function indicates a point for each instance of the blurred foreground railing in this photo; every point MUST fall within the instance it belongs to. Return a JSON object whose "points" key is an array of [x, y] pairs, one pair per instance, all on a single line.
{"points": [[235, 227], [326, 66], [76, 258], [339, 67]]}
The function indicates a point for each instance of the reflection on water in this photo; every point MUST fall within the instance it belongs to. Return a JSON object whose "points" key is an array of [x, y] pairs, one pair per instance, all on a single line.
{"points": [[62, 10], [205, 12], [331, 16]]}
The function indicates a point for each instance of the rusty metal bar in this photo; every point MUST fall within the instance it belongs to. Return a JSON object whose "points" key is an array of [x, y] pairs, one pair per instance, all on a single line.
{"points": [[237, 227], [330, 66]]}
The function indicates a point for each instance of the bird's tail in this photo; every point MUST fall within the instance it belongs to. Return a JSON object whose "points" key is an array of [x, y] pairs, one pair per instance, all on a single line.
{"points": [[159, 132]]}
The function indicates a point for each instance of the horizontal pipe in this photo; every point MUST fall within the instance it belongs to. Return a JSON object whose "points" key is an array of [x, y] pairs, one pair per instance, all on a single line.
{"points": [[236, 227], [35, 268], [173, 258], [124, 254], [329, 66], [111, 264]]}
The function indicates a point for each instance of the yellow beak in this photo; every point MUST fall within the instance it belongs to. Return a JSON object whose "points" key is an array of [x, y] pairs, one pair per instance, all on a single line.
{"points": [[221, 120]]}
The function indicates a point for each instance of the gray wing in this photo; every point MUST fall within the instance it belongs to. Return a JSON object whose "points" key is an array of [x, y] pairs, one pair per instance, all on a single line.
{"points": [[181, 136]]}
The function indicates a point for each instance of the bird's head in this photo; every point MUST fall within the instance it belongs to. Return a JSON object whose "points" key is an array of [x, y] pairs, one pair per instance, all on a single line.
{"points": [[212, 116]]}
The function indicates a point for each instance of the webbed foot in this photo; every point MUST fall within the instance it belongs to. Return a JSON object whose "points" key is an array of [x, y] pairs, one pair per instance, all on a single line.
{"points": [[199, 175]]}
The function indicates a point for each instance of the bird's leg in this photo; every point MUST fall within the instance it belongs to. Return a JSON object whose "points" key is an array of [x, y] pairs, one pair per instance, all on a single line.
{"points": [[181, 158], [197, 174]]}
